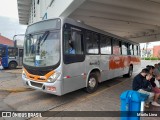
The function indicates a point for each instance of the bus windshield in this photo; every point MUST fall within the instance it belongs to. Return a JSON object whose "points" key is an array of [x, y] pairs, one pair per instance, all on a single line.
{"points": [[42, 44], [42, 49]]}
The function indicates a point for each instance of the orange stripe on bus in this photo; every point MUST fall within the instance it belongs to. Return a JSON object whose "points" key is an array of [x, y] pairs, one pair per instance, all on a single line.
{"points": [[116, 62], [38, 78]]}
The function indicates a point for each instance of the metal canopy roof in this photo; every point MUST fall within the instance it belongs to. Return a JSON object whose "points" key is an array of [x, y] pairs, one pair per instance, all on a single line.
{"points": [[137, 20], [24, 11]]}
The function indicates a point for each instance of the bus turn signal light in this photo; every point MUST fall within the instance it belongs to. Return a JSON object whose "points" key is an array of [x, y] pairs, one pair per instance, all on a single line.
{"points": [[51, 88]]}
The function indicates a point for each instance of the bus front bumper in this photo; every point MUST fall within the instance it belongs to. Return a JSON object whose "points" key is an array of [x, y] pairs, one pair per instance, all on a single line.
{"points": [[52, 88]]}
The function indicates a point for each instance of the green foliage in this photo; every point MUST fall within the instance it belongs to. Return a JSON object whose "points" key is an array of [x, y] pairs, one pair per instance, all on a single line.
{"points": [[150, 58]]}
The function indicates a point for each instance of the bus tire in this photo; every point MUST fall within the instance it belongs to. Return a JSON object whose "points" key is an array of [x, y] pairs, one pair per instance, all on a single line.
{"points": [[12, 65], [92, 83]]}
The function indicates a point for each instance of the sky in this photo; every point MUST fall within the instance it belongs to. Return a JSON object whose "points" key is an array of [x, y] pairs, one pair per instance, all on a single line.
{"points": [[9, 21]]}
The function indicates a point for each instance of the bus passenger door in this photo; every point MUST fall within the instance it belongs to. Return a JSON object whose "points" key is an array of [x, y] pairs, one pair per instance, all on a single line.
{"points": [[20, 57], [74, 65]]}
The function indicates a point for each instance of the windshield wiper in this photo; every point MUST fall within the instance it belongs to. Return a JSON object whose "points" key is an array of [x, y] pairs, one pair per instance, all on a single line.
{"points": [[42, 39], [45, 37]]}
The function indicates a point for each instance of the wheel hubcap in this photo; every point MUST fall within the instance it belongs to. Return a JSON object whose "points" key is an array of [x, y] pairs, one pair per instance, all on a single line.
{"points": [[12, 65], [92, 82]]}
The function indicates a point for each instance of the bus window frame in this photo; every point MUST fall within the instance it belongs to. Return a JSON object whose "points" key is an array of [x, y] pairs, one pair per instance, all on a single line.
{"points": [[13, 48], [106, 37], [92, 33], [126, 43], [72, 58], [119, 45], [135, 46], [129, 50]]}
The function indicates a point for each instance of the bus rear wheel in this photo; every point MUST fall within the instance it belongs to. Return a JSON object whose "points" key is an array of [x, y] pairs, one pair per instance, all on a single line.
{"points": [[92, 83], [130, 72], [12, 65]]}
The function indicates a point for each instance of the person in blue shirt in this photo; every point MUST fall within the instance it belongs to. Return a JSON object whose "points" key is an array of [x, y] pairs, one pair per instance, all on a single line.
{"points": [[71, 49]]}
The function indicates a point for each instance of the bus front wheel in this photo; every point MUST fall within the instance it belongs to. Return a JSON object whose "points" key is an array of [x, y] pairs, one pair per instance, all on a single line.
{"points": [[12, 65], [92, 83]]}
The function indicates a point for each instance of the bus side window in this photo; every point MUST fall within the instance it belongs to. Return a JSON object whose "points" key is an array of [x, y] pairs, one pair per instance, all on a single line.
{"points": [[124, 48], [67, 38], [12, 52], [92, 43], [73, 42], [139, 50], [135, 50], [105, 45], [77, 41], [130, 49], [3, 51], [116, 47]]}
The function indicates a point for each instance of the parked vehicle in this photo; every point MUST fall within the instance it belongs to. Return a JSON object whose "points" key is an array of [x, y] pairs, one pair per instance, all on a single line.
{"points": [[11, 57], [62, 55]]}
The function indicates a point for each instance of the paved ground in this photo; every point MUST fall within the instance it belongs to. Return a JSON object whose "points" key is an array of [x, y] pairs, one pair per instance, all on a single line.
{"points": [[106, 98]]}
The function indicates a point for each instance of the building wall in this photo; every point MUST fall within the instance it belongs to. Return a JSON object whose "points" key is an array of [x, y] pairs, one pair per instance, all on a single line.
{"points": [[156, 51], [46, 9], [147, 53], [38, 10], [6, 41]]}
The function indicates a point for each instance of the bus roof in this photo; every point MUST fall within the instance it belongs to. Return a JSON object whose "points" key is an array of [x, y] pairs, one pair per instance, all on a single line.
{"points": [[85, 26]]}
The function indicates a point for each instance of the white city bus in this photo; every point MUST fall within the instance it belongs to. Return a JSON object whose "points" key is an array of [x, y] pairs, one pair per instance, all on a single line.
{"points": [[62, 55]]}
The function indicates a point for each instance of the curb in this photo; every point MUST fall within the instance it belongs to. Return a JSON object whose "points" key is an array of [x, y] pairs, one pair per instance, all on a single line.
{"points": [[17, 90], [13, 72]]}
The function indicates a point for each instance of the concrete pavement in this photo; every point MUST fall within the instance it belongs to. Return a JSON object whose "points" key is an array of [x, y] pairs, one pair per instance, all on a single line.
{"points": [[11, 81]]}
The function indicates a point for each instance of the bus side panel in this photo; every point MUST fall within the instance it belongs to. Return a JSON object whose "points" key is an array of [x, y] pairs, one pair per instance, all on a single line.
{"points": [[111, 66], [92, 62], [73, 76], [136, 61], [14, 59], [118, 65], [104, 66], [5, 61]]}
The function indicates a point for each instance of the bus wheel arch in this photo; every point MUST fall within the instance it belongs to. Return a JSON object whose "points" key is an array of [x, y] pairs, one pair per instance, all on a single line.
{"points": [[93, 79], [12, 64]]}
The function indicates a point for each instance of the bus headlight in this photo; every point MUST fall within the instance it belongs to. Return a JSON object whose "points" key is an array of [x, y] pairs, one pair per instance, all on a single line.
{"points": [[24, 74], [54, 77]]}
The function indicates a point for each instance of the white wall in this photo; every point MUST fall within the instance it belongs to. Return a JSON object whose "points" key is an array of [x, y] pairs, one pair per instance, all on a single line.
{"points": [[52, 8]]}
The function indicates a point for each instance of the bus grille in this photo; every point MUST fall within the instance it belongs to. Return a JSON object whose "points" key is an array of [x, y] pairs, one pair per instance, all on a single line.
{"points": [[38, 72], [36, 84]]}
